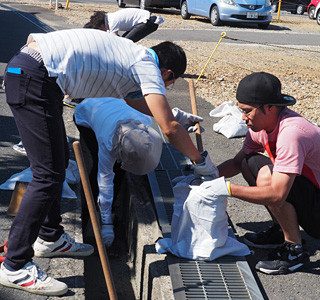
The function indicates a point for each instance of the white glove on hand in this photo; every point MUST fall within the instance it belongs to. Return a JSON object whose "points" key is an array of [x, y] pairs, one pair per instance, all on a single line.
{"points": [[107, 234], [206, 169], [187, 120]]}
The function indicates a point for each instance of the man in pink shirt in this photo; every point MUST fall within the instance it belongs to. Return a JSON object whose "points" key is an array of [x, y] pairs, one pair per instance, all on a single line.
{"points": [[286, 180]]}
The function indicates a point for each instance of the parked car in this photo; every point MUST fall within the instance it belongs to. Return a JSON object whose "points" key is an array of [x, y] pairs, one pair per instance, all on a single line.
{"points": [[311, 8], [218, 11], [143, 4], [317, 13], [294, 6]]}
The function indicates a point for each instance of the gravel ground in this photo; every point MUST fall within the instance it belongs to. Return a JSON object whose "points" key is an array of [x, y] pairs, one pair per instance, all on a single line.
{"points": [[297, 68]]}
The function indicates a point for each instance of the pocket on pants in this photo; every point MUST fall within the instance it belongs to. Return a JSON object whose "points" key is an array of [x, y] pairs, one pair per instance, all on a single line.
{"points": [[16, 86]]}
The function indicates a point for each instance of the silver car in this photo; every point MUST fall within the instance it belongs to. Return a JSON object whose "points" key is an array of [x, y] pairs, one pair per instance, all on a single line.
{"points": [[245, 11], [143, 4]]}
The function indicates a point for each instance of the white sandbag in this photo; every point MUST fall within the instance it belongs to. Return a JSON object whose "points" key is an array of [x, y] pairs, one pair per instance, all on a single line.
{"points": [[199, 228], [231, 125]]}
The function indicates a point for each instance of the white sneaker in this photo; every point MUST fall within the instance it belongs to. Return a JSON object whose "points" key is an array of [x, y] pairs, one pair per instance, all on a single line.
{"points": [[64, 246], [32, 279], [106, 228], [20, 148]]}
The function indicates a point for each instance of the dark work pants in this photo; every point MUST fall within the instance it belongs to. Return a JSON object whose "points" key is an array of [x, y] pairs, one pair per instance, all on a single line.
{"points": [[141, 30], [36, 103], [304, 196]]}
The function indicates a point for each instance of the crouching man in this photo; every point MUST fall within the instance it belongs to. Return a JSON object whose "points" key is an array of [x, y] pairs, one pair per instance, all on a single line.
{"points": [[287, 181]]}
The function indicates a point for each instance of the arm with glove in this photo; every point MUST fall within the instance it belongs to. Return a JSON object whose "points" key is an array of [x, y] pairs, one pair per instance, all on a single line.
{"points": [[206, 169], [187, 120]]}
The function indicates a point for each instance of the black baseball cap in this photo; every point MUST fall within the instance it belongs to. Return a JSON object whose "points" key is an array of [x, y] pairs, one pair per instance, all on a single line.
{"points": [[262, 88]]}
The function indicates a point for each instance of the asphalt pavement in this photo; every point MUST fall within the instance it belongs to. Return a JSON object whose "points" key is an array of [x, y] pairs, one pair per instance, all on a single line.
{"points": [[16, 25]]}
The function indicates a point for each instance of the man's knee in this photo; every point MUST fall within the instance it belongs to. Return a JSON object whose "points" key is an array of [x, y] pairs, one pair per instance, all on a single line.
{"points": [[247, 173], [264, 176]]}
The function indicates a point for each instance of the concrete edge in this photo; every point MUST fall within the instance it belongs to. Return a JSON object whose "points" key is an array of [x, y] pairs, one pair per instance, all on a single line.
{"points": [[149, 271]]}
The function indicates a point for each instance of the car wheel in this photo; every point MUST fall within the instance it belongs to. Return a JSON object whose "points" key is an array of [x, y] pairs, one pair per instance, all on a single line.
{"points": [[300, 9], [121, 4], [311, 12], [318, 17], [274, 7], [214, 16], [263, 25], [184, 11]]}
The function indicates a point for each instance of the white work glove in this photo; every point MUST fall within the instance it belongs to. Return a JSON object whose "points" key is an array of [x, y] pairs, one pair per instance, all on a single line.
{"points": [[187, 120], [206, 170], [107, 234]]}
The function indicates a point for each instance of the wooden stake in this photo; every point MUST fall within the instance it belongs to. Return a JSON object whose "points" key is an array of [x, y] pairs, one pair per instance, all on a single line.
{"points": [[195, 112], [94, 220]]}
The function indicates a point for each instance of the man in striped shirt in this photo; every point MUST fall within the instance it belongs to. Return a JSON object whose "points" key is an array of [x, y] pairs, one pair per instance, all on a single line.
{"points": [[83, 63]]}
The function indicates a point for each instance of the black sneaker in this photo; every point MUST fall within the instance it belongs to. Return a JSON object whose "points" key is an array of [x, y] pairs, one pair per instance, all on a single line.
{"points": [[271, 238], [285, 259]]}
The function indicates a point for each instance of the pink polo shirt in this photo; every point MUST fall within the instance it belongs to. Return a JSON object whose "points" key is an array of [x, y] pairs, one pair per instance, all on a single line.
{"points": [[294, 144]]}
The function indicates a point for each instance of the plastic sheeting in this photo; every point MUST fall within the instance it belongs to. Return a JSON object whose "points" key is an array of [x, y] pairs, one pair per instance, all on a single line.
{"points": [[72, 176]]}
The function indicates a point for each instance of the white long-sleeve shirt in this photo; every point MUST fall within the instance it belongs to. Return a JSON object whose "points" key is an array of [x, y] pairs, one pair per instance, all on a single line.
{"points": [[103, 115], [125, 19]]}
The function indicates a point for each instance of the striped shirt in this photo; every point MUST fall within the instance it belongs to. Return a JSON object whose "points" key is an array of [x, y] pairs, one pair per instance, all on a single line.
{"points": [[93, 63]]}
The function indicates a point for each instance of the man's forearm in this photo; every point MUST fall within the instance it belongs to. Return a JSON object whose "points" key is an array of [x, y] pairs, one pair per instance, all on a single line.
{"points": [[263, 195], [180, 139]]}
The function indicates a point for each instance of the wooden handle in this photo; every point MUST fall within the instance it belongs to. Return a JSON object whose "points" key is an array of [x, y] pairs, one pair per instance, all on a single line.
{"points": [[195, 112], [94, 220]]}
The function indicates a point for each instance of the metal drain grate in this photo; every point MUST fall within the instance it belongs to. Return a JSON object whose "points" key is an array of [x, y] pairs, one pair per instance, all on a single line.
{"points": [[206, 280]]}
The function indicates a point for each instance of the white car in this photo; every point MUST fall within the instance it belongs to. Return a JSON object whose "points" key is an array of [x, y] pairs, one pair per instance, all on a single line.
{"points": [[143, 4], [317, 13]]}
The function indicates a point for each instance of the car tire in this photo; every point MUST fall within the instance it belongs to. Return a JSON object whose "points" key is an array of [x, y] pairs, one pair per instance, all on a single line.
{"points": [[300, 9], [214, 16], [263, 25], [121, 4], [184, 11], [311, 12], [318, 17], [274, 7]]}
